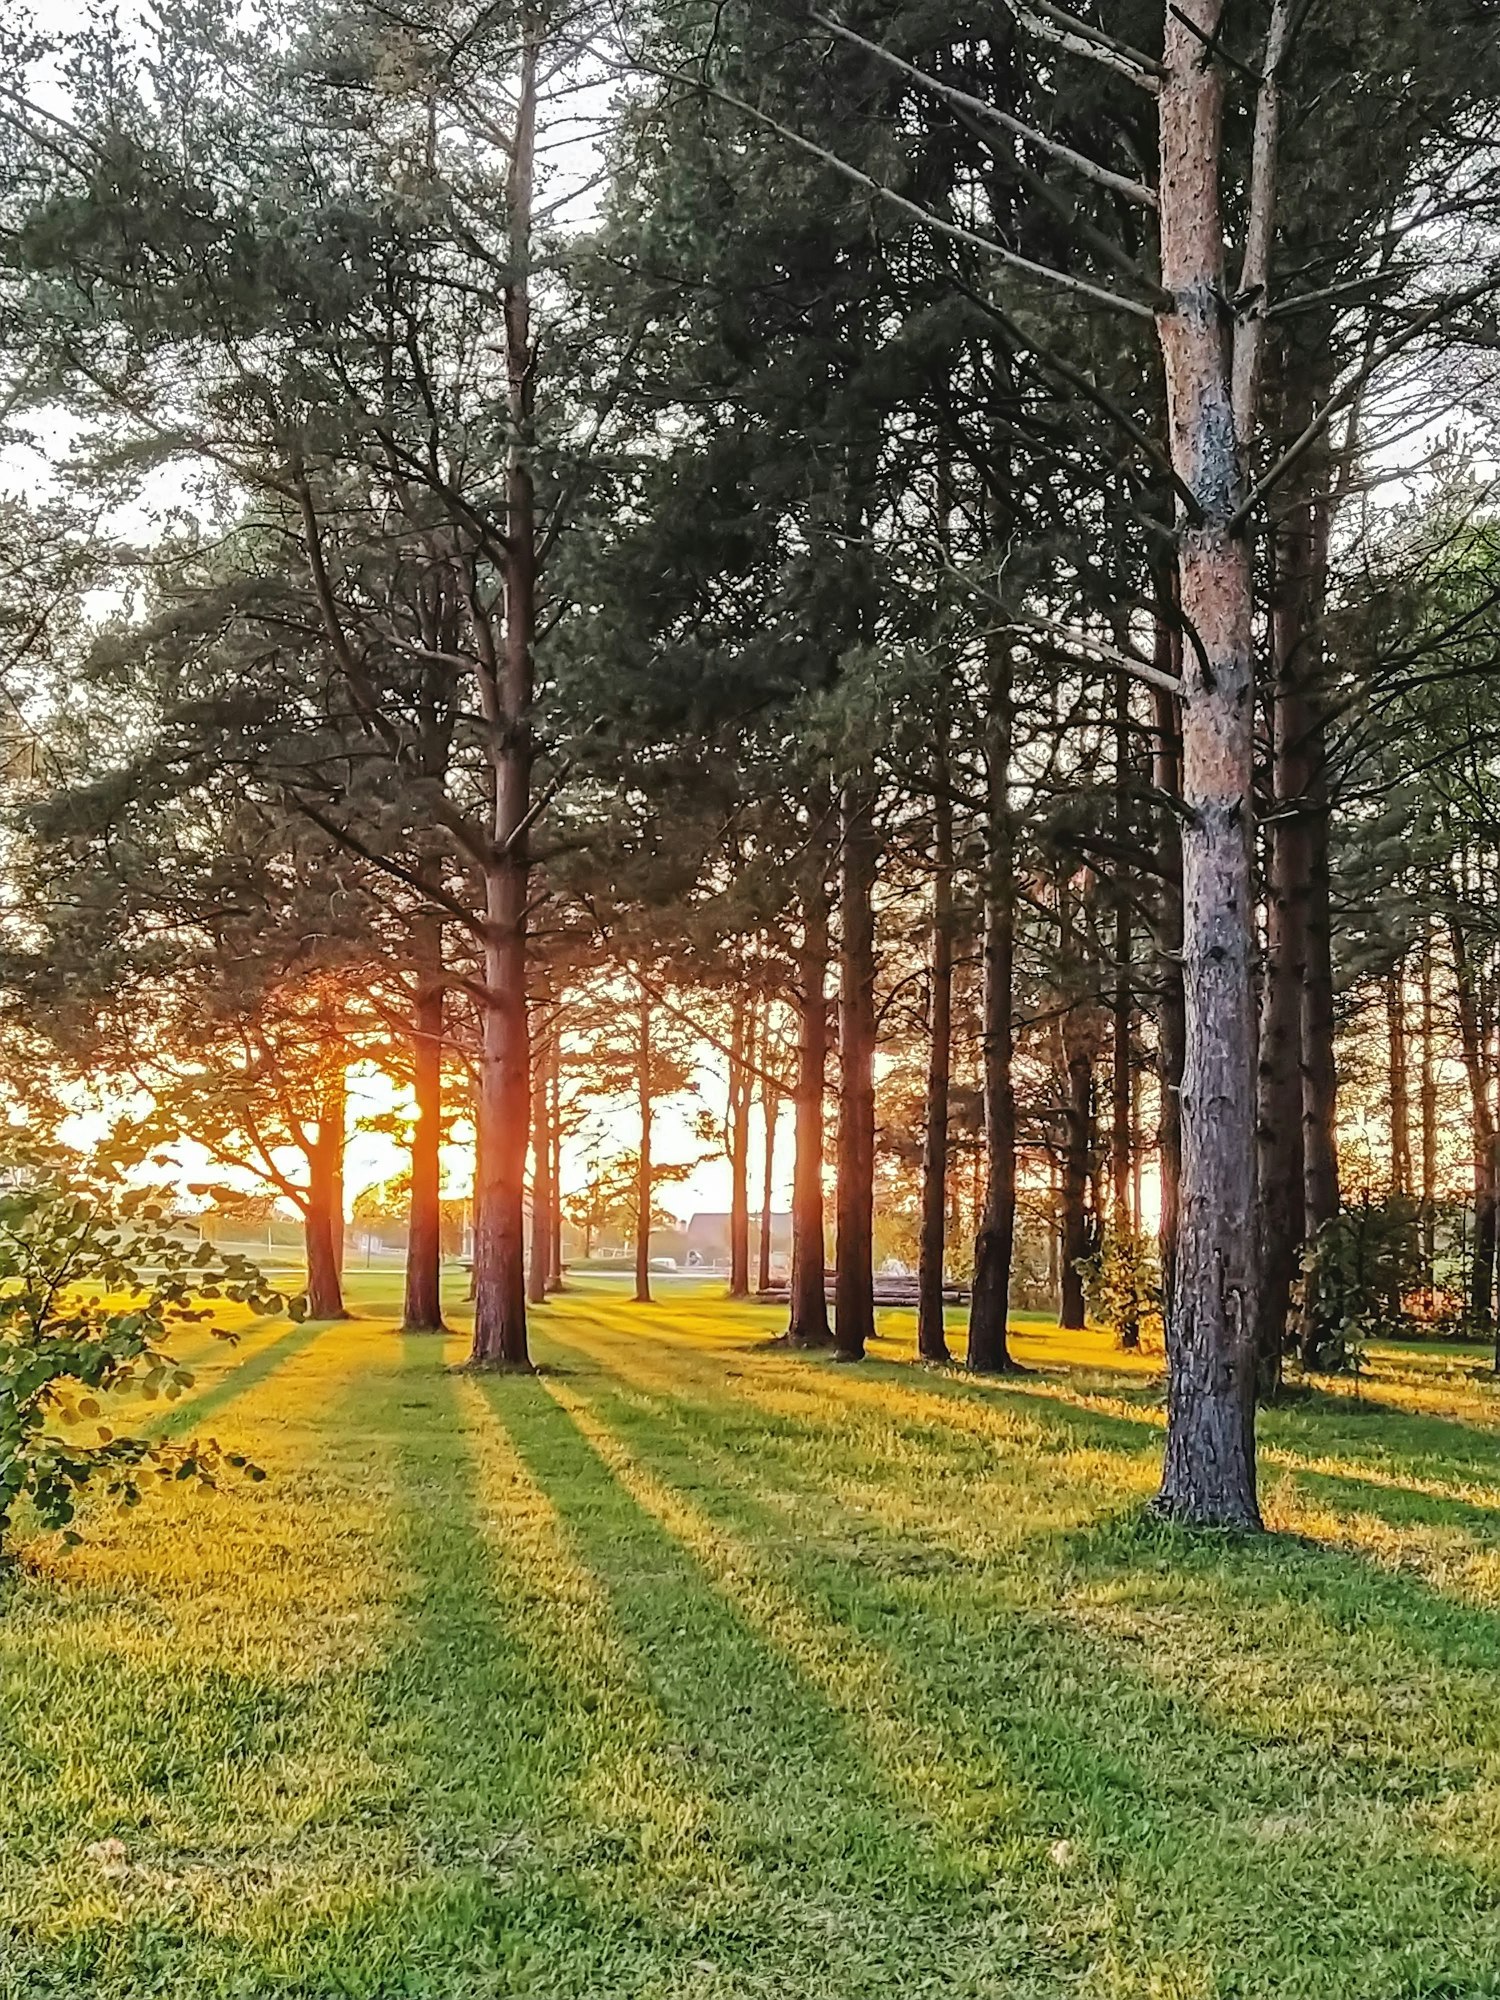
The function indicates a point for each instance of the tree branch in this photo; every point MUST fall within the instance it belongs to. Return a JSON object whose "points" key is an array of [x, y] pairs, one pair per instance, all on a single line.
{"points": [[1115, 300], [1079, 162]]}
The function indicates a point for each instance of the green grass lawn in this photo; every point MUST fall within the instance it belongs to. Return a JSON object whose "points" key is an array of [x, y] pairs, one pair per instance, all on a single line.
{"points": [[690, 1668]]}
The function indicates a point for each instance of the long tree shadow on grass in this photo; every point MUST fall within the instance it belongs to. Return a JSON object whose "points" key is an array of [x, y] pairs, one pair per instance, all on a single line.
{"points": [[1044, 1397], [240, 1374], [497, 1723], [1405, 1450], [1427, 1622], [841, 1878], [120, 1734], [616, 1778], [1174, 1778], [465, 1858], [1421, 1443]]}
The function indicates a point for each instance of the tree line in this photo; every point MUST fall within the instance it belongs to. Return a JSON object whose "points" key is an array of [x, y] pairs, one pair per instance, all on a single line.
{"points": [[854, 539]]}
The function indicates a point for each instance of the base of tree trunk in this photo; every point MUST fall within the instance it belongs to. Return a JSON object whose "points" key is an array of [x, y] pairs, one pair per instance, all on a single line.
{"points": [[1009, 1366], [847, 1354], [496, 1367], [1186, 1511], [424, 1326]]}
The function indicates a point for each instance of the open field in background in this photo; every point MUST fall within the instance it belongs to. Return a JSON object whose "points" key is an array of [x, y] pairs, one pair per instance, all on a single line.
{"points": [[692, 1669]]}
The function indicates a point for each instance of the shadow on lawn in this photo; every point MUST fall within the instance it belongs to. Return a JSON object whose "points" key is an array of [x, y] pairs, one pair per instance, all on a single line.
{"points": [[1341, 1591], [930, 1395], [1404, 1450], [240, 1374], [1168, 1786], [853, 1575], [616, 1770], [804, 1797]]}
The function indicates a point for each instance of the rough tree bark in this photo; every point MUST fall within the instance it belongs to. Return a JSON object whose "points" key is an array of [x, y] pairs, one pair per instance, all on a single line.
{"points": [[644, 1173], [1320, 1153], [808, 1321], [741, 1090], [854, 1256], [539, 1264], [994, 1241], [422, 1308], [1122, 1151], [554, 1127], [1281, 1205], [1208, 1474], [1077, 1050], [932, 1339], [770, 1108], [1429, 1114], [1395, 1019], [323, 1213], [1473, 1040], [506, 693], [1171, 1023]]}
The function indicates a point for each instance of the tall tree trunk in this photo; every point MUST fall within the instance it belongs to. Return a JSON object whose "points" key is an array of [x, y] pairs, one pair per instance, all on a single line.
{"points": [[1395, 1016], [1473, 1039], [1171, 1002], [854, 1257], [1077, 1153], [645, 1178], [1208, 1474], [554, 1128], [932, 1339], [1429, 1116], [506, 691], [1319, 1068], [1075, 1057], [770, 1104], [1281, 1204], [323, 1214], [808, 1323], [339, 1216], [994, 1242], [542, 1196], [422, 1309], [741, 1090], [1122, 1150]]}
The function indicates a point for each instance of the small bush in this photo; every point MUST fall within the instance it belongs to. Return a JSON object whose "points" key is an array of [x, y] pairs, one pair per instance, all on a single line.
{"points": [[92, 1285], [1122, 1282], [1358, 1273]]}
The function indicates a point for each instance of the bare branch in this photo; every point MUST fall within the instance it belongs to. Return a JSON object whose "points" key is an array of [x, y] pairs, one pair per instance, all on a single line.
{"points": [[1126, 663], [1352, 390], [1082, 38]]}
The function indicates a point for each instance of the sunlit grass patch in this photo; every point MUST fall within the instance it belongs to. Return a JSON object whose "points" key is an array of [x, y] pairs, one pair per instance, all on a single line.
{"points": [[696, 1670]]}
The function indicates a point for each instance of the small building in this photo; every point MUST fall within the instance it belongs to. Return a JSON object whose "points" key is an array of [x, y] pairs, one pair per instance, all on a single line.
{"points": [[707, 1239]]}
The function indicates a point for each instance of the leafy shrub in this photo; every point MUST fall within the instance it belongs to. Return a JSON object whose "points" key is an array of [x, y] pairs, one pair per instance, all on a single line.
{"points": [[1122, 1283], [1358, 1273], [92, 1286]]}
